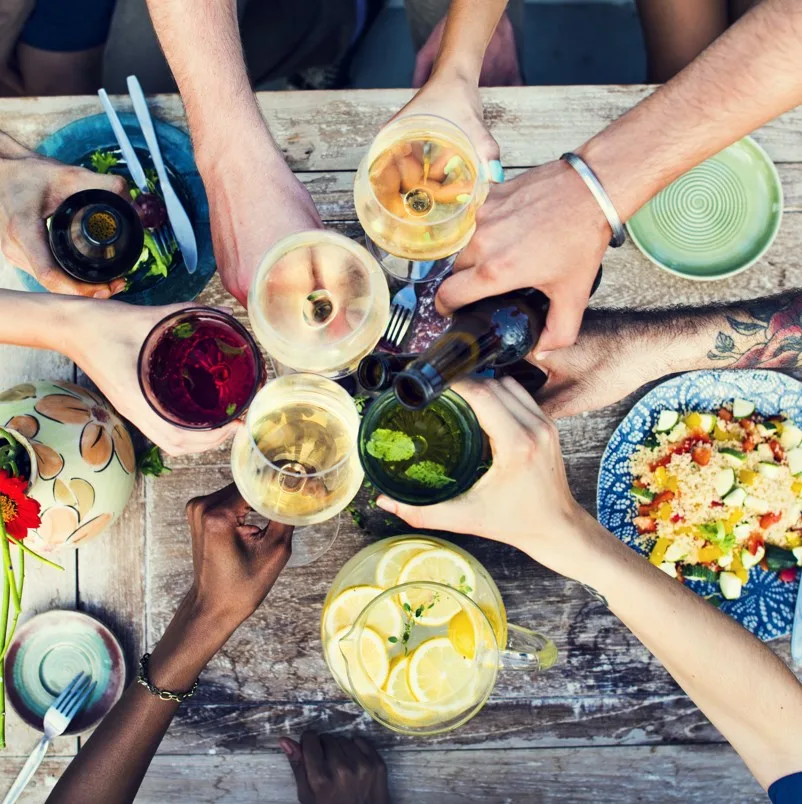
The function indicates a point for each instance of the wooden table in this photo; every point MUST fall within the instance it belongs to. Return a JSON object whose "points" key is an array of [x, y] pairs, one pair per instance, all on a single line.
{"points": [[606, 724]]}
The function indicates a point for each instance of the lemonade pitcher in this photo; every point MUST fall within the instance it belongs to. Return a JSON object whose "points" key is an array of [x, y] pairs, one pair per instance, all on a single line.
{"points": [[415, 631]]}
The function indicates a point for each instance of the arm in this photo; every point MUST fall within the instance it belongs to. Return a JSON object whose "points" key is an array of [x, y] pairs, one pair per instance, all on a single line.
{"points": [[543, 228], [254, 198], [684, 632], [235, 567], [617, 352]]}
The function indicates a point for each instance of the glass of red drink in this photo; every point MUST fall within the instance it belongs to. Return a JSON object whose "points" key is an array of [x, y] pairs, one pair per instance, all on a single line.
{"points": [[200, 368]]}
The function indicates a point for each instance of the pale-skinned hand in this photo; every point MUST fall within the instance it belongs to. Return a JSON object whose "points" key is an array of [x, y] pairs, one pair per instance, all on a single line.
{"points": [[31, 189], [542, 229], [104, 339], [523, 499], [235, 564], [500, 67], [336, 770]]}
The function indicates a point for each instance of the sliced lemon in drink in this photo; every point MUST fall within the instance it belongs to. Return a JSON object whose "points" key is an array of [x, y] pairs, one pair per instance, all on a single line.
{"points": [[437, 672], [462, 634], [365, 676], [440, 565], [392, 562], [336, 659], [400, 703], [385, 618], [397, 685]]}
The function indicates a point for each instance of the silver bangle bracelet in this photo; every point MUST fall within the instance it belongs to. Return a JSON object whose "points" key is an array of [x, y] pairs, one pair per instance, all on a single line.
{"points": [[600, 194]]}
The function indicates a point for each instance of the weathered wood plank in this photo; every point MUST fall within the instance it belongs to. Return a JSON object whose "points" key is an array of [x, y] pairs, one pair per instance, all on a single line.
{"points": [[330, 130], [676, 774]]}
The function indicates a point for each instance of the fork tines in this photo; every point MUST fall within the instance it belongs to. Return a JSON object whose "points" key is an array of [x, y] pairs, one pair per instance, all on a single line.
{"points": [[398, 325]]}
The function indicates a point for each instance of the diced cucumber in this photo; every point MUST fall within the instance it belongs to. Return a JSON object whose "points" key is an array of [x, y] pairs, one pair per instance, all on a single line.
{"points": [[742, 531], [669, 567], [725, 560], [666, 420], [724, 482], [794, 458], [748, 560], [767, 429], [642, 495], [764, 453], [778, 558], [735, 499], [697, 572], [756, 504], [741, 408], [708, 422], [730, 585], [714, 531], [679, 432], [770, 470], [675, 552], [797, 551], [791, 437], [734, 457]]}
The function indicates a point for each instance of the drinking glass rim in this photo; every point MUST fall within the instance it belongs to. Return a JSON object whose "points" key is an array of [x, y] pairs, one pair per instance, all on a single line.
{"points": [[220, 316], [305, 240], [282, 470], [478, 160]]}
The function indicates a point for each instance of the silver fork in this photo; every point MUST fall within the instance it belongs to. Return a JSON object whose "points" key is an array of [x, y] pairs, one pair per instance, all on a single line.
{"points": [[403, 307], [57, 718]]}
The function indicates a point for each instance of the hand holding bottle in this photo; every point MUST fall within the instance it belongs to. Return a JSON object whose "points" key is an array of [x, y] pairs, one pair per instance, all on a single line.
{"points": [[31, 188]]}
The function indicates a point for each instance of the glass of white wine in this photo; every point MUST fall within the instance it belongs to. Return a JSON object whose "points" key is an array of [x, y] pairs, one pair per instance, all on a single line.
{"points": [[295, 461], [416, 193], [318, 303]]}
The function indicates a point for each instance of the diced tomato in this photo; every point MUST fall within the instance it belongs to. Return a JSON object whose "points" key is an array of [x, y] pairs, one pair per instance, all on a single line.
{"points": [[716, 504], [644, 510], [787, 575], [755, 542], [776, 450], [664, 461], [662, 497], [725, 414], [701, 454], [748, 425], [645, 524], [639, 484], [767, 520], [764, 565], [677, 518], [748, 444]]}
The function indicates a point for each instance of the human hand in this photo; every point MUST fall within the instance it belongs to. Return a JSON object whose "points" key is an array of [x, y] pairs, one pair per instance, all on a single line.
{"points": [[31, 189], [336, 770], [254, 201], [235, 564], [105, 339], [527, 475], [542, 229], [500, 67]]}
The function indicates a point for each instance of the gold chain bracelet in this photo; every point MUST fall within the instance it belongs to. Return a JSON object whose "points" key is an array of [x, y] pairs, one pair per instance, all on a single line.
{"points": [[143, 678]]}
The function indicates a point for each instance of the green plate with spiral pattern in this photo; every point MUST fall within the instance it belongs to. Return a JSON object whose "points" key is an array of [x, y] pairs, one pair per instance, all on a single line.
{"points": [[715, 220]]}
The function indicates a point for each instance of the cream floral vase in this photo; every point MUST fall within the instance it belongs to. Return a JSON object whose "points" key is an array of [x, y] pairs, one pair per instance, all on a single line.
{"points": [[82, 457]]}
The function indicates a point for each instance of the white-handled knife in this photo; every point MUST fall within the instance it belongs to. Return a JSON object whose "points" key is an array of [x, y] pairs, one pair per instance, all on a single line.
{"points": [[182, 226], [127, 150]]}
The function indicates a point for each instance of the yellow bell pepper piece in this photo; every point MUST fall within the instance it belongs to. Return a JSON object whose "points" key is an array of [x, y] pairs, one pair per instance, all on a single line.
{"points": [[659, 551], [738, 568], [796, 487], [664, 512], [660, 477], [672, 484], [709, 553], [721, 435], [693, 421], [793, 539], [733, 519], [747, 477]]}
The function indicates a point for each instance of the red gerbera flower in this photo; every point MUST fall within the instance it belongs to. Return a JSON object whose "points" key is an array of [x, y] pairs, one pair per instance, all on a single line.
{"points": [[19, 513]]}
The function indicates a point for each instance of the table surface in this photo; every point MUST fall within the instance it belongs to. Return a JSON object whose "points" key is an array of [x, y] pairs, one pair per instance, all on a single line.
{"points": [[607, 723]]}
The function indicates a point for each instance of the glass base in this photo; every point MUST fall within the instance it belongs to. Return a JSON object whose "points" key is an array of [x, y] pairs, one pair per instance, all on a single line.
{"points": [[309, 542], [406, 270]]}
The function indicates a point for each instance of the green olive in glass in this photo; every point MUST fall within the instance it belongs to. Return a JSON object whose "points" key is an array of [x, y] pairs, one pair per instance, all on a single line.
{"points": [[421, 457]]}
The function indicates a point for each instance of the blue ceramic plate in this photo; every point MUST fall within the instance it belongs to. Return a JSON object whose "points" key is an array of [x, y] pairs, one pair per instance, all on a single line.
{"points": [[73, 144], [766, 606], [48, 652]]}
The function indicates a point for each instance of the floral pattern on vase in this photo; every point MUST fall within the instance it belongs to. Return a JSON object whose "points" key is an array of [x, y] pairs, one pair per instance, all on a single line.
{"points": [[85, 461]]}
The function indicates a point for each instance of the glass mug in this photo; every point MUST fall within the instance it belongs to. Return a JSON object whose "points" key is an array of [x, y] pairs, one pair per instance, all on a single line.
{"points": [[414, 630]]}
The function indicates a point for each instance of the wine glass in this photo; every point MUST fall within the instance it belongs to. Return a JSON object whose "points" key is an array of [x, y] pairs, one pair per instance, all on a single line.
{"points": [[319, 303], [416, 193], [295, 460]]}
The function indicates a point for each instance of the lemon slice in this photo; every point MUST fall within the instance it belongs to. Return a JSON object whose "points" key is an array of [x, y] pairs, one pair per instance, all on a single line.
{"points": [[462, 634], [400, 704], [385, 618], [392, 562], [337, 660], [375, 664], [437, 671], [397, 685], [440, 565]]}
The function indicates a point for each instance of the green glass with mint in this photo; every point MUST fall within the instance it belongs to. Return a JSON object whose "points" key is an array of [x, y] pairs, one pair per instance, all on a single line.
{"points": [[424, 456]]}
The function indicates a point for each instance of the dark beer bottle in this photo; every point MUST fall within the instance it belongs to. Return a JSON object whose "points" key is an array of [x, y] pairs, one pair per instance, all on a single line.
{"points": [[377, 371]]}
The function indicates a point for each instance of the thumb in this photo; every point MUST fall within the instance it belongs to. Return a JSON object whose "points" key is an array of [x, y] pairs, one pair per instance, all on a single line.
{"points": [[443, 516], [295, 757], [562, 323]]}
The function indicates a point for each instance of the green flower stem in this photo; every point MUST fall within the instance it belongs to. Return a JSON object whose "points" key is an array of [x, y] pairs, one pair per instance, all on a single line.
{"points": [[8, 568], [23, 546], [6, 636]]}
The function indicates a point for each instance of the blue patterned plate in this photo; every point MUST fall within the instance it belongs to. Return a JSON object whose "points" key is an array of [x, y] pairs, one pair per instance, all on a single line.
{"points": [[766, 606], [73, 144]]}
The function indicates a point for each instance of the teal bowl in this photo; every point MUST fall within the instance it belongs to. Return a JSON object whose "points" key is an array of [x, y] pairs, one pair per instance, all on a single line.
{"points": [[717, 219], [48, 652]]}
